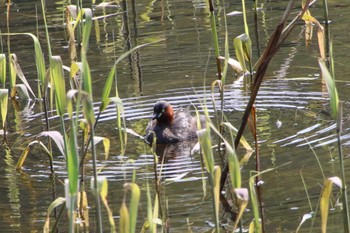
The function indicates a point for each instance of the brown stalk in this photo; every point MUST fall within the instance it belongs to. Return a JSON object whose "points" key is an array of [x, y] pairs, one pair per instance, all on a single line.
{"points": [[275, 42]]}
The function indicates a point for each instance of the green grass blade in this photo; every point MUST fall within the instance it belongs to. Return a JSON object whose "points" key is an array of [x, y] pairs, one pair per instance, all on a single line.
{"points": [[73, 161], [216, 195], [238, 45], [133, 206], [2, 69], [233, 162], [12, 76], [59, 84], [4, 97], [255, 205], [124, 221], [88, 109], [87, 28], [331, 87], [40, 64], [206, 147], [233, 132], [107, 89], [246, 28]]}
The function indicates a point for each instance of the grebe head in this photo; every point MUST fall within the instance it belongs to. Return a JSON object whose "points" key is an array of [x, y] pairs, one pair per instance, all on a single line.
{"points": [[163, 112]]}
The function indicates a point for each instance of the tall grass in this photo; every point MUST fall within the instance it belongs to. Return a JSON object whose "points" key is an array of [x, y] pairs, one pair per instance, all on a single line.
{"points": [[80, 99]]}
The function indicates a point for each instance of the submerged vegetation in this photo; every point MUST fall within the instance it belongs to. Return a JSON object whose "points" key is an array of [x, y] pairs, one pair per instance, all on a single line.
{"points": [[65, 93]]}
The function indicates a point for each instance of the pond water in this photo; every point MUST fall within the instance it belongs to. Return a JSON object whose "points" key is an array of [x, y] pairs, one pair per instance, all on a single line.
{"points": [[293, 110]]}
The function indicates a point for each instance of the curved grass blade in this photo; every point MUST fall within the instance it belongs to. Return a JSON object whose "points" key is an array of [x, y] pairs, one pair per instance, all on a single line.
{"points": [[242, 198], [19, 72], [56, 137], [304, 218], [106, 144], [39, 61], [59, 201], [103, 191], [26, 151]]}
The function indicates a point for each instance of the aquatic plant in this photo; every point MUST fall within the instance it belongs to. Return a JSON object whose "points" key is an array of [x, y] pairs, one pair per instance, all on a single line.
{"points": [[75, 110]]}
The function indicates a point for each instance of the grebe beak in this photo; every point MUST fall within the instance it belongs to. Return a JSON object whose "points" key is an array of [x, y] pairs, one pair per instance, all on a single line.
{"points": [[156, 116]]}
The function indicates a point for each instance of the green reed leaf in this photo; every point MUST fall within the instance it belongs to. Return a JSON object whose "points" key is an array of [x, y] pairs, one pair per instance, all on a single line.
{"points": [[107, 89], [20, 74], [233, 162], [85, 43], [133, 206], [255, 205], [124, 221], [40, 64], [71, 203], [2, 68], [234, 166], [120, 120], [216, 192], [206, 147], [88, 109], [4, 97], [58, 83], [331, 87], [243, 49], [87, 28], [39, 60], [238, 45], [233, 132], [12, 77], [70, 98], [74, 75], [73, 161]]}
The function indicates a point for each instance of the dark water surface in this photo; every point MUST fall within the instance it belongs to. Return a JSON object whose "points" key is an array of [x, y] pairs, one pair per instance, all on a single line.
{"points": [[292, 105]]}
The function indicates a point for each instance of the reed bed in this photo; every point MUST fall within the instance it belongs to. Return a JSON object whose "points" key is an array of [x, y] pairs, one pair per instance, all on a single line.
{"points": [[73, 105]]}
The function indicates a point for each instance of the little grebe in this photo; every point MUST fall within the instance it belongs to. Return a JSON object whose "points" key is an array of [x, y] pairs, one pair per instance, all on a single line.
{"points": [[170, 127]]}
